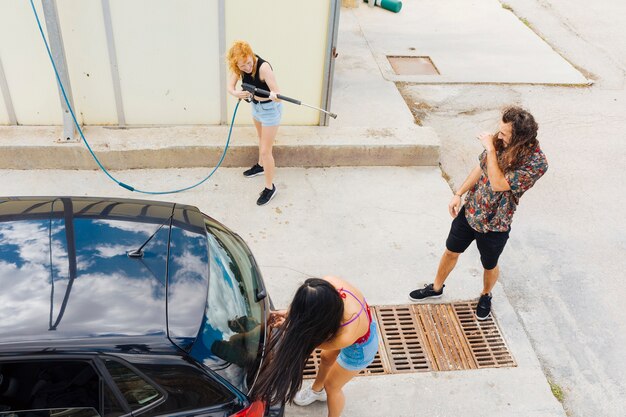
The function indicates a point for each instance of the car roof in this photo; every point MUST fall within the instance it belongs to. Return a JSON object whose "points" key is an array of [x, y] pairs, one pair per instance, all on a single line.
{"points": [[65, 272]]}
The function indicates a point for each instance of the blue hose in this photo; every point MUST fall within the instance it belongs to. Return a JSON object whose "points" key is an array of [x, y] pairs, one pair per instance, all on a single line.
{"points": [[107, 173]]}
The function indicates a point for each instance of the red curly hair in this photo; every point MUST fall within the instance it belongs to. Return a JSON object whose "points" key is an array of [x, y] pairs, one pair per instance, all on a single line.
{"points": [[240, 50]]}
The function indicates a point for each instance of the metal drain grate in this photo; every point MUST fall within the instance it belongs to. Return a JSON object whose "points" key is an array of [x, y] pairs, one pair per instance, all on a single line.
{"points": [[312, 365], [484, 338], [431, 337], [401, 339], [443, 337]]}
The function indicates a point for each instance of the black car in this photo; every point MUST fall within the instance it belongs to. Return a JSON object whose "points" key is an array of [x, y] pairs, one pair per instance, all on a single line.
{"points": [[113, 307]]}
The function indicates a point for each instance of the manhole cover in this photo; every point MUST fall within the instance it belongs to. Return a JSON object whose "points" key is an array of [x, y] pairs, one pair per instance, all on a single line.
{"points": [[412, 65], [432, 337]]}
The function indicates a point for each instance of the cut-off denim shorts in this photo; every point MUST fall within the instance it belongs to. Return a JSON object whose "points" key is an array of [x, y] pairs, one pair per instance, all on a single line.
{"points": [[359, 356], [268, 114]]}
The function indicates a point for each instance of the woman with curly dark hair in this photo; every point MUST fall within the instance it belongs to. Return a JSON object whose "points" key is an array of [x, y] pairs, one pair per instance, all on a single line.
{"points": [[329, 314], [509, 166]]}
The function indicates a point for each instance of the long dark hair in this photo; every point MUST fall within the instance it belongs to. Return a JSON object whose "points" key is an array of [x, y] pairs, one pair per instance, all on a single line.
{"points": [[314, 317], [523, 138]]}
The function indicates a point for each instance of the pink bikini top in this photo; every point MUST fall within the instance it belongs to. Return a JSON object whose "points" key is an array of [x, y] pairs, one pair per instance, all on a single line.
{"points": [[364, 307]]}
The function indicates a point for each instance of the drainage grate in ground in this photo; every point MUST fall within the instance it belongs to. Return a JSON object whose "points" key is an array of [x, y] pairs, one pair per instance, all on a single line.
{"points": [[443, 338], [484, 338], [312, 365], [432, 337], [412, 65], [401, 339]]}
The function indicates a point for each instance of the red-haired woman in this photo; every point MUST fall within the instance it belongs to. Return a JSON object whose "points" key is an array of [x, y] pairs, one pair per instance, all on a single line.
{"points": [[249, 68]]}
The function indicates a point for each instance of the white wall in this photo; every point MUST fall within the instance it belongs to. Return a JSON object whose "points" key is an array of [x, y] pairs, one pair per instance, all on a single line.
{"points": [[84, 39], [4, 114], [26, 65], [168, 58], [291, 35]]}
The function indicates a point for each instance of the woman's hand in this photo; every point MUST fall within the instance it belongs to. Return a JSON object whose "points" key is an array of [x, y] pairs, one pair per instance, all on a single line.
{"points": [[242, 94], [273, 96], [277, 318]]}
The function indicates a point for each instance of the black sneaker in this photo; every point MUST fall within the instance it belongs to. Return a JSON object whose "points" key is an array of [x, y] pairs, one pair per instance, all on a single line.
{"points": [[254, 171], [483, 309], [426, 292], [266, 196]]}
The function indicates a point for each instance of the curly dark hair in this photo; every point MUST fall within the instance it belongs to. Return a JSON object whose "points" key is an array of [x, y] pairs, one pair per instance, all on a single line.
{"points": [[523, 138]]}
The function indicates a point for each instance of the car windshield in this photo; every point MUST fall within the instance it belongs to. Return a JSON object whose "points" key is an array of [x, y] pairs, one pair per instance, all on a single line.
{"points": [[234, 322]]}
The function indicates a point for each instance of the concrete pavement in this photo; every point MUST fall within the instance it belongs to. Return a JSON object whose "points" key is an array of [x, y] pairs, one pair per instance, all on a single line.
{"points": [[382, 229], [468, 42], [564, 270]]}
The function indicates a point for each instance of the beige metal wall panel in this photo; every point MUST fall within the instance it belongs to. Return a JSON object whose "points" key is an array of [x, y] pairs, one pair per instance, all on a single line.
{"points": [[84, 39], [291, 35], [26, 64], [168, 59], [4, 114]]}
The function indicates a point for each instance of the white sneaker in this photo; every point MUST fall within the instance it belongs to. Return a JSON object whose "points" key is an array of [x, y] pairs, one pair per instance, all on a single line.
{"points": [[307, 396]]}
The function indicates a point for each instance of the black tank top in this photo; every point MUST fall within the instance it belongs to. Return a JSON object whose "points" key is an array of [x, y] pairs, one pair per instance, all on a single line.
{"points": [[256, 80]]}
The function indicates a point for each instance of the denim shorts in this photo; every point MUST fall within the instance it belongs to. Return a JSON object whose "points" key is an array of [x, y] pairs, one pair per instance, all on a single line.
{"points": [[359, 356], [269, 114]]}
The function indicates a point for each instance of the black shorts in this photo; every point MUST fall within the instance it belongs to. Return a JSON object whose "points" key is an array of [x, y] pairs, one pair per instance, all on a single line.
{"points": [[490, 244]]}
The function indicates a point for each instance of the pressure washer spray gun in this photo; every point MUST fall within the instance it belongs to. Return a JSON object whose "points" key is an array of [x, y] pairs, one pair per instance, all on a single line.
{"points": [[264, 93]]}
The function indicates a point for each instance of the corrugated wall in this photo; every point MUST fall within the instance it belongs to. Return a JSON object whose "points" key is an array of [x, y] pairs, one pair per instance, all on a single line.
{"points": [[168, 58]]}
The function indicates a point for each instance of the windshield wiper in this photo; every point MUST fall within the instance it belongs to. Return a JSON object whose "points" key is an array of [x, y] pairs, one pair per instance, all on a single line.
{"points": [[138, 253]]}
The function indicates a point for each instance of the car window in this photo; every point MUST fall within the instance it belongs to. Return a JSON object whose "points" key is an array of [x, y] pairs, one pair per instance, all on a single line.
{"points": [[49, 384], [187, 387], [110, 405], [137, 392], [233, 327]]}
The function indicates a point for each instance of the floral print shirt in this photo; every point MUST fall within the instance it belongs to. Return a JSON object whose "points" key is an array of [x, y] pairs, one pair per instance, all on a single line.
{"points": [[492, 211]]}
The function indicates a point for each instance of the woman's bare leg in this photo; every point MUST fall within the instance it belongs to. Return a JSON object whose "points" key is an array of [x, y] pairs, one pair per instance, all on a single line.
{"points": [[268, 134]]}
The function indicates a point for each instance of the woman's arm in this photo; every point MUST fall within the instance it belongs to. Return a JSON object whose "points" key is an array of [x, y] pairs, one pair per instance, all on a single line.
{"points": [[232, 85], [267, 75]]}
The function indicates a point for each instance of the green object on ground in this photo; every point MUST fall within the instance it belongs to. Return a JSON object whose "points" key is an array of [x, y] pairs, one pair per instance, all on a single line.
{"points": [[391, 5]]}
